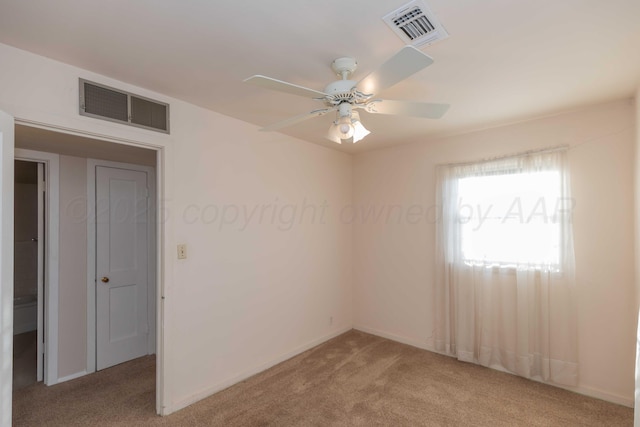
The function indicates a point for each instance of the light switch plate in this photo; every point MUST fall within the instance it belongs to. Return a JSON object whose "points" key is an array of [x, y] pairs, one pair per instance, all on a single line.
{"points": [[182, 251]]}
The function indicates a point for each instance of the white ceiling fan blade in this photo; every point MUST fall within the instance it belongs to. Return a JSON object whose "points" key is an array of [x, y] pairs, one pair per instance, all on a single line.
{"points": [[297, 119], [279, 85], [403, 64], [407, 108]]}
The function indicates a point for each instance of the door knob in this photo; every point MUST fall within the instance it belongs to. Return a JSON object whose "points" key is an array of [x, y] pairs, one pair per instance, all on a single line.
{"points": [[105, 280]]}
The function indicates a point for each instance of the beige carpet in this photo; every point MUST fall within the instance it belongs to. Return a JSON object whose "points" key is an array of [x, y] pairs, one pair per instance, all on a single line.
{"points": [[355, 379]]}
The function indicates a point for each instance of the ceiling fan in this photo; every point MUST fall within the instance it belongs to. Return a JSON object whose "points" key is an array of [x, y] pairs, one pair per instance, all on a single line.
{"points": [[346, 96]]}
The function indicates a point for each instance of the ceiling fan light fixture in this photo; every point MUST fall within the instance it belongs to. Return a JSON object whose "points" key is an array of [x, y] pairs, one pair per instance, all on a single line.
{"points": [[341, 128], [347, 127], [334, 134], [359, 131]]}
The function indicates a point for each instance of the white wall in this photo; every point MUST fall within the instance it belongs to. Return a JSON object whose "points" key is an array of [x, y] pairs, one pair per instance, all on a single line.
{"points": [[263, 275], [394, 256], [72, 290], [246, 297]]}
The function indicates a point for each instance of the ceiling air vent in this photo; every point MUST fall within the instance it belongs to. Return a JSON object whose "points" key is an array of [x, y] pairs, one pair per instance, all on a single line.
{"points": [[415, 24], [103, 102]]}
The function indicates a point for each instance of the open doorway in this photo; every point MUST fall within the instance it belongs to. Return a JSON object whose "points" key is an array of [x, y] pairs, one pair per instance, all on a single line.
{"points": [[28, 273], [72, 333]]}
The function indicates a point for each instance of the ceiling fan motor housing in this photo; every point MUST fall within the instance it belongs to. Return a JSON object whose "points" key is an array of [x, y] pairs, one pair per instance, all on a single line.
{"points": [[339, 87], [341, 90], [344, 67]]}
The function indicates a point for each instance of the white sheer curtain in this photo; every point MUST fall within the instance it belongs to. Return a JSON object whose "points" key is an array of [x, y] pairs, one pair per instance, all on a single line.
{"points": [[505, 281]]}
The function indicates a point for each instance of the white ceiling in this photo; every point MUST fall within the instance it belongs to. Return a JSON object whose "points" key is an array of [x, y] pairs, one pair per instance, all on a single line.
{"points": [[505, 60]]}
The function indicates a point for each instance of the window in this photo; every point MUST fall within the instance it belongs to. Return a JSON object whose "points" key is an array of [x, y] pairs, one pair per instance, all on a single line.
{"points": [[513, 213], [511, 218]]}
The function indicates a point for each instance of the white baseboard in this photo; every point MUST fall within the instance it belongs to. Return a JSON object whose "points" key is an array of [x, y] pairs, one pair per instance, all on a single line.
{"points": [[70, 377], [183, 403], [585, 390], [600, 394], [393, 337]]}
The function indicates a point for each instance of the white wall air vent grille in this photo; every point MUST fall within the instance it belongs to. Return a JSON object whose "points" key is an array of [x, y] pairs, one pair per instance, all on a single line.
{"points": [[103, 102], [148, 113], [416, 24]]}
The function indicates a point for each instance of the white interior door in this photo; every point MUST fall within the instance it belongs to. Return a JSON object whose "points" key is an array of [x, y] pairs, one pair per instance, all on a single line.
{"points": [[6, 264], [122, 215]]}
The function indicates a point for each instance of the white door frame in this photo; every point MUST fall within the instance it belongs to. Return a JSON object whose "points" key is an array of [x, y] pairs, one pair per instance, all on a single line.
{"points": [[42, 195], [52, 221], [91, 255], [163, 264]]}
